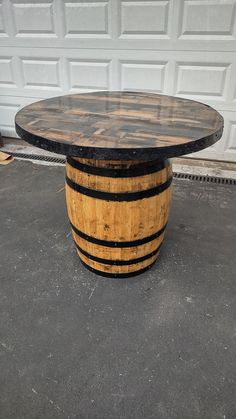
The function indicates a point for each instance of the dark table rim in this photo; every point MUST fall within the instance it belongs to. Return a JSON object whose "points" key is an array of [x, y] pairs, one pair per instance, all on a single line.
{"points": [[102, 153]]}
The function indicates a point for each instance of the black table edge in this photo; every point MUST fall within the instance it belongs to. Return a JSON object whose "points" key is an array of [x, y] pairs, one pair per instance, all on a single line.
{"points": [[100, 153]]}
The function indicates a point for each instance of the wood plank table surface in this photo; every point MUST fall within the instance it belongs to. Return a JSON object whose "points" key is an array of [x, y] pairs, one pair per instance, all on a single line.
{"points": [[118, 173]]}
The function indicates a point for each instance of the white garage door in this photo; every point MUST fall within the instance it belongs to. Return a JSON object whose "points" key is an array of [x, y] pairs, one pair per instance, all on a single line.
{"points": [[177, 47]]}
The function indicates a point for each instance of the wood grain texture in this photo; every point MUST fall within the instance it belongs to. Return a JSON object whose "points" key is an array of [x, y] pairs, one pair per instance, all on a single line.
{"points": [[118, 222], [119, 125]]}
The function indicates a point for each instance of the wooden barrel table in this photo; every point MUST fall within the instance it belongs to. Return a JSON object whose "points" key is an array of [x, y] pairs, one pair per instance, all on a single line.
{"points": [[118, 172]]}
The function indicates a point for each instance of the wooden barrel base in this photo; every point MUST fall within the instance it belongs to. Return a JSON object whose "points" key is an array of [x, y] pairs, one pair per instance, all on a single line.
{"points": [[118, 212]]}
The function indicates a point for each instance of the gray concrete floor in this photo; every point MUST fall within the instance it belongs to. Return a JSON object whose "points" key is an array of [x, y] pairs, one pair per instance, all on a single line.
{"points": [[74, 345]]}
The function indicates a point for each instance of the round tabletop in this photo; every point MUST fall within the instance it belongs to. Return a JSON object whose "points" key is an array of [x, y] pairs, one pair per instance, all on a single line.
{"points": [[119, 125]]}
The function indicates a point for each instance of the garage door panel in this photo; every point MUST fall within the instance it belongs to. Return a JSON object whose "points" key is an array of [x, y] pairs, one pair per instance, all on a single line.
{"points": [[89, 74], [33, 18], [2, 23], [202, 79], [40, 73], [136, 75], [6, 73], [206, 19], [87, 19], [144, 18]]}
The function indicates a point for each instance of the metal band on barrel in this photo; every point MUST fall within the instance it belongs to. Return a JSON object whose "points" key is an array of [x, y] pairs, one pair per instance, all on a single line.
{"points": [[121, 196], [118, 262], [108, 243], [140, 169], [117, 275]]}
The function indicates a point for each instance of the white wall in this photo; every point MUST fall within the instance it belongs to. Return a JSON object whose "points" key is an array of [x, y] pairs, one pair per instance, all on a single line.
{"points": [[177, 47]]}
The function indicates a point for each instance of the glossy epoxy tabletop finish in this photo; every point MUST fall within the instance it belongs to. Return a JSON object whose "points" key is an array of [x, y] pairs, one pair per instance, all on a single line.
{"points": [[119, 125]]}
